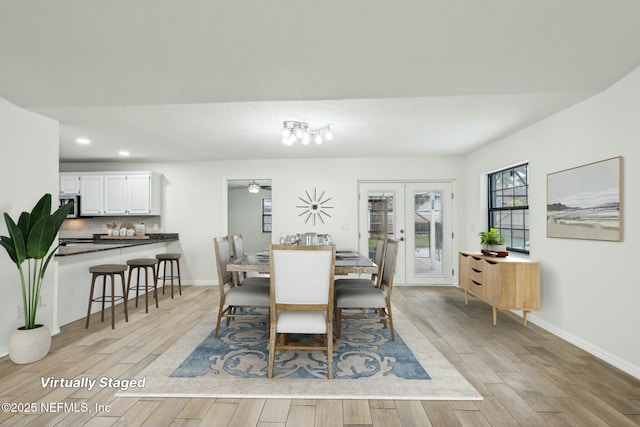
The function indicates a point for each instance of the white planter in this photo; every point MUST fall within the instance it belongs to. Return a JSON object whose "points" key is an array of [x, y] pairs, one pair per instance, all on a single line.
{"points": [[29, 345]]}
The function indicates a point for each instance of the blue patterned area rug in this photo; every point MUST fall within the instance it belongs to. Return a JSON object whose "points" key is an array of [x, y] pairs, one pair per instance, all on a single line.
{"points": [[364, 351], [367, 365]]}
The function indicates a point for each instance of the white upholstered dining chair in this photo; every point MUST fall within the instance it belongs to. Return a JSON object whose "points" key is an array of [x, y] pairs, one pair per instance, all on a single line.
{"points": [[362, 301], [301, 299], [234, 297]]}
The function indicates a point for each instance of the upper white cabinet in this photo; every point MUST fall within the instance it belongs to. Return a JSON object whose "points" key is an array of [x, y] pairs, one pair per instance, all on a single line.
{"points": [[91, 195], [141, 199], [125, 193], [115, 194], [69, 183]]}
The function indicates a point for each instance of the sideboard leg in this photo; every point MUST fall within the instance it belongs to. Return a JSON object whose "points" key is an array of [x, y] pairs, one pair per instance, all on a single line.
{"points": [[524, 316], [495, 315], [466, 297]]}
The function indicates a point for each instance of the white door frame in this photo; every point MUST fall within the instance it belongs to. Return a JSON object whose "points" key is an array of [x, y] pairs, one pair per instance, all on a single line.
{"points": [[402, 188]]}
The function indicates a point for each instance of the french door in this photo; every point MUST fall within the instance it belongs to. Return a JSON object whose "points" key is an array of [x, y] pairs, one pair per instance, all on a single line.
{"points": [[418, 214]]}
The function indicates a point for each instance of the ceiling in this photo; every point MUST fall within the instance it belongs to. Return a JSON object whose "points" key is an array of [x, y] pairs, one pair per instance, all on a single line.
{"points": [[203, 79]]}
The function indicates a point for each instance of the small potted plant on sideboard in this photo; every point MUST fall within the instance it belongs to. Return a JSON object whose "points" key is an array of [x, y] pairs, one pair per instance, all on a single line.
{"points": [[493, 243]]}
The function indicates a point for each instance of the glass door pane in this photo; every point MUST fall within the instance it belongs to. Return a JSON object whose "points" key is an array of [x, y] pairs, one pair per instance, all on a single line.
{"points": [[428, 258], [381, 218], [381, 214], [427, 233]]}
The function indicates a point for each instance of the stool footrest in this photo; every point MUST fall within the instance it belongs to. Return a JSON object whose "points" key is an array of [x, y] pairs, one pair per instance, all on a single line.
{"points": [[141, 288], [107, 298]]}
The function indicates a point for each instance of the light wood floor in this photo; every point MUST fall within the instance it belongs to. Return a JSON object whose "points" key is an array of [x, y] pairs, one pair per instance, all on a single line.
{"points": [[527, 376]]}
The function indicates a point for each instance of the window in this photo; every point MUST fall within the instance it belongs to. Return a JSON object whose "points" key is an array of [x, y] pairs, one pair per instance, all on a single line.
{"points": [[509, 206], [266, 215]]}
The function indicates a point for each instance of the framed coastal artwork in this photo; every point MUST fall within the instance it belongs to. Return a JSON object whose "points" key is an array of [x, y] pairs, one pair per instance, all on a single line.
{"points": [[585, 202]]}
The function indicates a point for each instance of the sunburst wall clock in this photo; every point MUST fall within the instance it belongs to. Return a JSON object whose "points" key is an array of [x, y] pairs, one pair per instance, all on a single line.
{"points": [[314, 207]]}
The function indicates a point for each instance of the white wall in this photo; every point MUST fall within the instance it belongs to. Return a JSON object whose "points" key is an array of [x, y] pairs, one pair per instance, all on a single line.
{"points": [[195, 194], [29, 169], [590, 290]]}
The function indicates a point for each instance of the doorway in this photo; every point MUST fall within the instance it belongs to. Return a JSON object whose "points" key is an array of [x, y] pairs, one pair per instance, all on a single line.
{"points": [[249, 213], [418, 215]]}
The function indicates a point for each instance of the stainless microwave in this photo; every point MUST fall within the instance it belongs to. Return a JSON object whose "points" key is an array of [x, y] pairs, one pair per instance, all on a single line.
{"points": [[75, 210]]}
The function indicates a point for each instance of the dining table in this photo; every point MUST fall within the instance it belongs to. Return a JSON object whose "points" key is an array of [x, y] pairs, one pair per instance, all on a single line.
{"points": [[348, 261]]}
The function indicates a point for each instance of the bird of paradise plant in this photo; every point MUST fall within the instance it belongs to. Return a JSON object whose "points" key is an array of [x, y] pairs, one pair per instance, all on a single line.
{"points": [[30, 240]]}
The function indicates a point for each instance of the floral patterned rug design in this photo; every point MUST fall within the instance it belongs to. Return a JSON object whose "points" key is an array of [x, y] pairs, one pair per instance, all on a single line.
{"points": [[366, 366], [365, 350]]}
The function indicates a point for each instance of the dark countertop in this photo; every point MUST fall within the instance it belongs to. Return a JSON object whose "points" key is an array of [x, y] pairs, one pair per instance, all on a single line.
{"points": [[76, 246]]}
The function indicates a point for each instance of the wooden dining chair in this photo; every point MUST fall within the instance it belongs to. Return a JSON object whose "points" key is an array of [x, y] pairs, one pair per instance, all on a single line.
{"points": [[241, 277], [234, 297], [301, 299], [362, 301], [374, 281]]}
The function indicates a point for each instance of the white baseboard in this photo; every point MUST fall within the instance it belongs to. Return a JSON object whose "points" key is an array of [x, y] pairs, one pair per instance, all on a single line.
{"points": [[612, 359]]}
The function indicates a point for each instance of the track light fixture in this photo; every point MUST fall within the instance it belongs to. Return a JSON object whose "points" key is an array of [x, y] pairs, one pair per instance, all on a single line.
{"points": [[294, 131]]}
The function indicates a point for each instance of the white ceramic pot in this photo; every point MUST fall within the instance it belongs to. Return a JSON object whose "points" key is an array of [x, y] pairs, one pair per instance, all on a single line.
{"points": [[29, 345]]}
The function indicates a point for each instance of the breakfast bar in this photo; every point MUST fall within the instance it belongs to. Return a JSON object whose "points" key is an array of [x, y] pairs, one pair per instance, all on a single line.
{"points": [[100, 242], [76, 255]]}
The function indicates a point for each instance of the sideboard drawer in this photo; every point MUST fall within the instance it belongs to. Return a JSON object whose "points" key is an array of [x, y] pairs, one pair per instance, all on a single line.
{"points": [[476, 263], [476, 276], [478, 288]]}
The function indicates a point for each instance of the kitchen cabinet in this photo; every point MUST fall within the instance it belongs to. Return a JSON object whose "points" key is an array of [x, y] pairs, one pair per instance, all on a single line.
{"points": [[69, 183], [504, 283], [91, 193], [143, 197], [115, 194]]}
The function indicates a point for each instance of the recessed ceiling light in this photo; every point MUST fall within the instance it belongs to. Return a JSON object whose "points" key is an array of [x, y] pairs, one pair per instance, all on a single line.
{"points": [[123, 153], [83, 141]]}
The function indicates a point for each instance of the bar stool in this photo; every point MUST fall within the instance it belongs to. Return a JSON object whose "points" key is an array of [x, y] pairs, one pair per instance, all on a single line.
{"points": [[170, 258], [143, 264], [105, 270]]}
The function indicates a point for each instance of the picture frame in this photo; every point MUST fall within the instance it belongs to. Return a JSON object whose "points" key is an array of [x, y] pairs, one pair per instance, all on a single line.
{"points": [[585, 202]]}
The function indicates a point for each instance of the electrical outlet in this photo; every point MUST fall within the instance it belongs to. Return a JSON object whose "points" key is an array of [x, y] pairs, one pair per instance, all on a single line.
{"points": [[155, 227]]}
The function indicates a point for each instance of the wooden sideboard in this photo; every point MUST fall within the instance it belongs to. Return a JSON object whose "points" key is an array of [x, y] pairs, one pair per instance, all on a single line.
{"points": [[504, 283]]}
